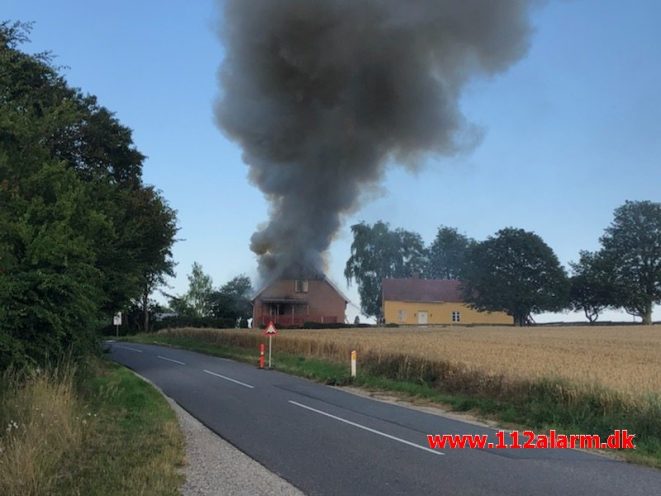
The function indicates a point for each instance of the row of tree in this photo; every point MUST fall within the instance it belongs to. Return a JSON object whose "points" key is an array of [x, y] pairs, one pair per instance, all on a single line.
{"points": [[516, 271], [229, 303], [81, 235]]}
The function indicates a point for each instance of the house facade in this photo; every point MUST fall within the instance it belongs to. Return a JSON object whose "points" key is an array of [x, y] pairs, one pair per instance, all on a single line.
{"points": [[416, 301], [292, 302]]}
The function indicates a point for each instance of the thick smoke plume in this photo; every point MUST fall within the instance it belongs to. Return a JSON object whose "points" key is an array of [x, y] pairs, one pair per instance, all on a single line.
{"points": [[322, 93]]}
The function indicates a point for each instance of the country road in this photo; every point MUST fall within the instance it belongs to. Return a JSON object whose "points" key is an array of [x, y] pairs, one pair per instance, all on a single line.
{"points": [[327, 441]]}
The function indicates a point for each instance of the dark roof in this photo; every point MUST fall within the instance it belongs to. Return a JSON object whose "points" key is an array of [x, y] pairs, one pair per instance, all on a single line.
{"points": [[320, 277], [427, 290]]}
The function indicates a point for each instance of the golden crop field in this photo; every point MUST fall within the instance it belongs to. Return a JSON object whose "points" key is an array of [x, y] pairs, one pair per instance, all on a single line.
{"points": [[623, 358], [581, 378]]}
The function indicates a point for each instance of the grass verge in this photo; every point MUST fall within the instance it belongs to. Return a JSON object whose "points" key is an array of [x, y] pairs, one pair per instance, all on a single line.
{"points": [[540, 404], [94, 432]]}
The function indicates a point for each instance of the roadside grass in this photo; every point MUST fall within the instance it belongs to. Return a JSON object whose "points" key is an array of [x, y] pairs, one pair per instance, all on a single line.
{"points": [[97, 431], [540, 403]]}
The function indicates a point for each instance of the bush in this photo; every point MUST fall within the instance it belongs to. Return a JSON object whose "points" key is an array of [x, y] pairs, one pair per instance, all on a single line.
{"points": [[336, 325], [202, 322]]}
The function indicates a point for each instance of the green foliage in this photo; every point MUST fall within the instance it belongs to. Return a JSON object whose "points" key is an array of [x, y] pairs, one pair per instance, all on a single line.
{"points": [[196, 301], [632, 244], [592, 285], [194, 322], [49, 285], [516, 272], [377, 252], [80, 235], [232, 301], [447, 254]]}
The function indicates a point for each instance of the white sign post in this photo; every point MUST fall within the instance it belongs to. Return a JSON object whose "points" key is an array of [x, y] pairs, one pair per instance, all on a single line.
{"points": [[270, 331], [117, 321]]}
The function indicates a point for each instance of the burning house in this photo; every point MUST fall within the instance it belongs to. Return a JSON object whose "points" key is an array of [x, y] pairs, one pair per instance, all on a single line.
{"points": [[322, 95], [291, 301]]}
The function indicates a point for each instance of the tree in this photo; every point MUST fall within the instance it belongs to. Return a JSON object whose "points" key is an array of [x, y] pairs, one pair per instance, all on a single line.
{"points": [[80, 235], [49, 220], [232, 301], [516, 272], [377, 252], [633, 243], [49, 285], [196, 301], [447, 254], [157, 224], [592, 287]]}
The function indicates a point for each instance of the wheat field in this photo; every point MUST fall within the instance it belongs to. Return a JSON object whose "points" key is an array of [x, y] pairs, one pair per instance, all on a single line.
{"points": [[588, 379], [624, 358]]}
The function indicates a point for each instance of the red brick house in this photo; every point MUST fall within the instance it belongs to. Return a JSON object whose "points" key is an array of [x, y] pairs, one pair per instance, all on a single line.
{"points": [[292, 302]]}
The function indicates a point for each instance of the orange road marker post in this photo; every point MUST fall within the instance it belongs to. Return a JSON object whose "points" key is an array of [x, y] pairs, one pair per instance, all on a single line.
{"points": [[354, 358], [261, 355]]}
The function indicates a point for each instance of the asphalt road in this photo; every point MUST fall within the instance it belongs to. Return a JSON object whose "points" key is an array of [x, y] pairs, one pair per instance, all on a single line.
{"points": [[327, 441]]}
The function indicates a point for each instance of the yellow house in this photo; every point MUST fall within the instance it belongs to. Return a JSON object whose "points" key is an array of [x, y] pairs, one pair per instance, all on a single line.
{"points": [[432, 301]]}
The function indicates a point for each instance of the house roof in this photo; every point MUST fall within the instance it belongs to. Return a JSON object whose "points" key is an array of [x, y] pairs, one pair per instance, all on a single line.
{"points": [[427, 290], [320, 277]]}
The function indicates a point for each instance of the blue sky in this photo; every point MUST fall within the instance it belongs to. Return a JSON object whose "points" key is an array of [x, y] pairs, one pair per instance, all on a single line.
{"points": [[571, 131]]}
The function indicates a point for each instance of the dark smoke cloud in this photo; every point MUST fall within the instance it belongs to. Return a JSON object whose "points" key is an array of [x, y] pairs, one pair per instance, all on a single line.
{"points": [[320, 94]]}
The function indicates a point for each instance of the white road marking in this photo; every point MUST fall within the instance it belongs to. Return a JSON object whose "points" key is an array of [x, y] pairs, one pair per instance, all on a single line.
{"points": [[170, 359], [230, 379], [368, 429], [128, 348]]}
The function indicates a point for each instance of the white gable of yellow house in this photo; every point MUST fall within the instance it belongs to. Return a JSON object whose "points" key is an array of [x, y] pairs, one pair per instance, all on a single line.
{"points": [[416, 301]]}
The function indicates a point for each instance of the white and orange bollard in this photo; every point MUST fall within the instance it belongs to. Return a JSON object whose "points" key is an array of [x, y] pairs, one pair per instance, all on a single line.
{"points": [[354, 357], [261, 355]]}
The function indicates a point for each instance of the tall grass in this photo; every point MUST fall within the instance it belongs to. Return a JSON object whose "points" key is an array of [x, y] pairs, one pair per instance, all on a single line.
{"points": [[104, 431], [40, 422]]}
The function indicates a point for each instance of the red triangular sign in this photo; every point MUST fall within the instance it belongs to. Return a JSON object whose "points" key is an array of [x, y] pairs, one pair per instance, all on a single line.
{"points": [[270, 330]]}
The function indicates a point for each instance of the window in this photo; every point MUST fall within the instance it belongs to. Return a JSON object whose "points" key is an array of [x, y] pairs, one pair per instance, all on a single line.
{"points": [[401, 315], [456, 316], [301, 286]]}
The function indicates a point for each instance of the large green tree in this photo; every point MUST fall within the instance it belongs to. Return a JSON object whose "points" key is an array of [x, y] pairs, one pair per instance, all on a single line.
{"points": [[592, 285], [517, 272], [196, 302], [80, 235], [156, 223], [447, 254], [378, 252], [633, 244], [49, 284]]}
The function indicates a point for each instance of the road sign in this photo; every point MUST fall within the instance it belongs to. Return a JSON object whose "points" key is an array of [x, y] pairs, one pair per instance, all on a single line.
{"points": [[270, 330], [117, 321]]}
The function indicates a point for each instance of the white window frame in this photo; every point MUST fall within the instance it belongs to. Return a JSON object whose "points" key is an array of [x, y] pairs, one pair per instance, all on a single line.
{"points": [[456, 316], [301, 285]]}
